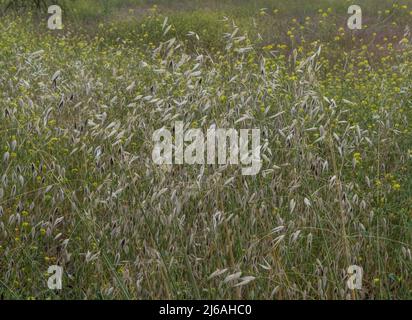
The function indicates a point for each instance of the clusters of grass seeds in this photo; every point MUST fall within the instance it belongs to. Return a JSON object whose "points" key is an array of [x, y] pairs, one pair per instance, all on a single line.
{"points": [[78, 186]]}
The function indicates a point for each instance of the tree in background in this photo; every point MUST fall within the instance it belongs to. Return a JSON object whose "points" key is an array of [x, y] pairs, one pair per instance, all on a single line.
{"points": [[30, 4]]}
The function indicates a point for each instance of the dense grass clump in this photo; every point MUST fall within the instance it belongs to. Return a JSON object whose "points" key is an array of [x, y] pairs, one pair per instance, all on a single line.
{"points": [[78, 187]]}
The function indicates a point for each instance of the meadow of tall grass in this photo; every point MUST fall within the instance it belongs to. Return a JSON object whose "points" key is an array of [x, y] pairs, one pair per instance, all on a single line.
{"points": [[79, 188]]}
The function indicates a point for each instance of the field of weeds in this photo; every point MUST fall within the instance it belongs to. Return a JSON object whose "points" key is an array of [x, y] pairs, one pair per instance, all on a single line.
{"points": [[79, 188]]}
